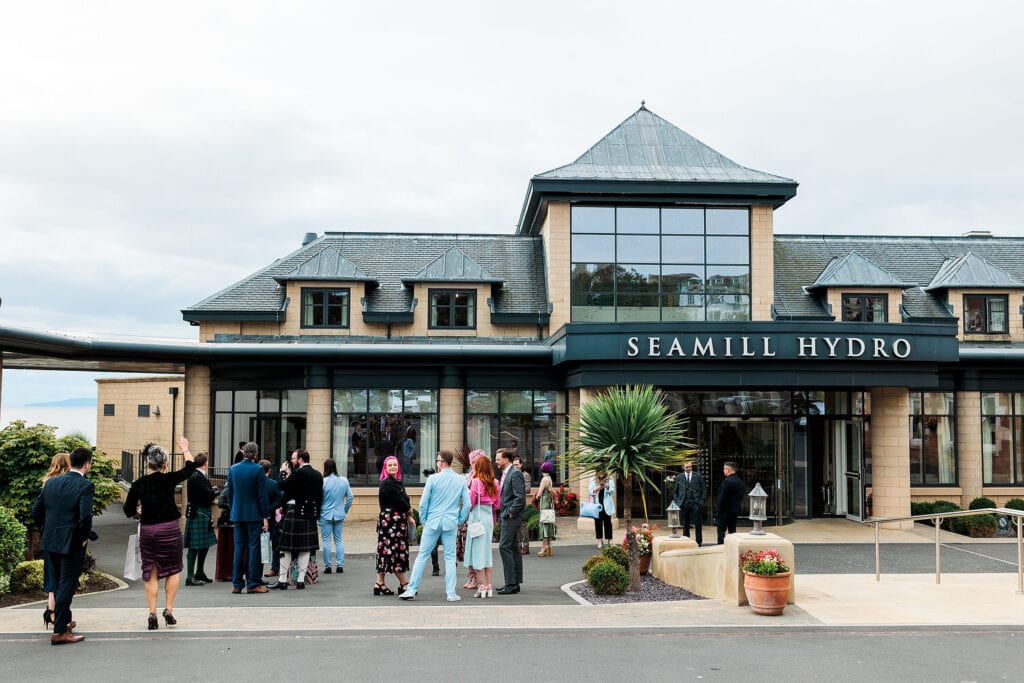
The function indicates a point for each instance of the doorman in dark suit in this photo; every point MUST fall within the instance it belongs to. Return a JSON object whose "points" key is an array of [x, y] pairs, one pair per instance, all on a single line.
{"points": [[689, 496], [63, 511], [729, 501]]}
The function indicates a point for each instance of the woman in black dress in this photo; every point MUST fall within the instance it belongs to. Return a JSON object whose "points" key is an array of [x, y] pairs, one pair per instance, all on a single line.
{"points": [[392, 528], [151, 501]]}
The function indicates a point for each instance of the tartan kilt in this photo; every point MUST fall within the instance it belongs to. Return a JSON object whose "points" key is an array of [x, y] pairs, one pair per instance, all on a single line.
{"points": [[199, 531], [299, 535]]}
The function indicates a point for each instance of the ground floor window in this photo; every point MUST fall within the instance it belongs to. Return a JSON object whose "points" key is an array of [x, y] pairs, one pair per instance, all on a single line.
{"points": [[371, 424], [932, 438], [274, 419], [530, 422], [1001, 438]]}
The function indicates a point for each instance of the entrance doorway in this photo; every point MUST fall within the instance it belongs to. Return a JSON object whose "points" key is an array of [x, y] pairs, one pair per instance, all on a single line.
{"points": [[828, 467], [754, 445]]}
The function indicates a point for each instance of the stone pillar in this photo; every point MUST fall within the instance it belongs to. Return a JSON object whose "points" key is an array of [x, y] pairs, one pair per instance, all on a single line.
{"points": [[319, 405], [196, 410], [451, 432], [762, 262], [969, 446], [890, 454]]}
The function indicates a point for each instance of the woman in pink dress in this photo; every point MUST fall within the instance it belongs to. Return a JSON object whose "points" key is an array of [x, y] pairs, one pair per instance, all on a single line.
{"points": [[483, 506]]}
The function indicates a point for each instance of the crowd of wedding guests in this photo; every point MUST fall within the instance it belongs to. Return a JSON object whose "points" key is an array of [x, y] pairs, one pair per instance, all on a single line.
{"points": [[279, 523]]}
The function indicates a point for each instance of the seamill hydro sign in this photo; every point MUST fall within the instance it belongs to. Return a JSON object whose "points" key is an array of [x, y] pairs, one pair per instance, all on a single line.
{"points": [[716, 346], [795, 342]]}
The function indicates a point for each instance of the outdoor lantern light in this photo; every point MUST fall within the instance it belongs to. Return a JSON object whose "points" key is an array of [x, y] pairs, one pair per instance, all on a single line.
{"points": [[758, 507], [673, 519]]}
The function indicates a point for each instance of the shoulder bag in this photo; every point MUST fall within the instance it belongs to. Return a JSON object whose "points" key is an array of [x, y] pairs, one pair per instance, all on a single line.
{"points": [[591, 509]]}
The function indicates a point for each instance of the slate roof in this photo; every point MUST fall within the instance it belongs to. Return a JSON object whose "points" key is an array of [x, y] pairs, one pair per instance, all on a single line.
{"points": [[453, 266], [327, 264], [972, 271], [514, 260], [915, 261], [853, 270], [647, 147]]}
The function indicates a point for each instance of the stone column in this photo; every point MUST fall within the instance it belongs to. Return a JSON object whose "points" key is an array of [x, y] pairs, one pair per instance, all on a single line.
{"points": [[969, 447], [318, 427], [196, 410], [452, 428], [890, 454]]}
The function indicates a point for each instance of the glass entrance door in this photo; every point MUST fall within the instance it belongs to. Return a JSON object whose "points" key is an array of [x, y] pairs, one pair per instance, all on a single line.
{"points": [[753, 445], [853, 470]]}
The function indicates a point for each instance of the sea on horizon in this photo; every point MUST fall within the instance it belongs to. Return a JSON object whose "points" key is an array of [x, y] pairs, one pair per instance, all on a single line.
{"points": [[67, 420]]}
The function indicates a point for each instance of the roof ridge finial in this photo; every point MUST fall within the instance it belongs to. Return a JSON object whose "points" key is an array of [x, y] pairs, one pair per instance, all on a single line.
{"points": [[643, 104]]}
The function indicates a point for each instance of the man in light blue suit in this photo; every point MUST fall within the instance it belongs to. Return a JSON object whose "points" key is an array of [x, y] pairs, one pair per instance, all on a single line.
{"points": [[443, 507]]}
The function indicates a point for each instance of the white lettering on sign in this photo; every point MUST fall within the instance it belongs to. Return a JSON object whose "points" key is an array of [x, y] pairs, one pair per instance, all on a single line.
{"points": [[743, 347]]}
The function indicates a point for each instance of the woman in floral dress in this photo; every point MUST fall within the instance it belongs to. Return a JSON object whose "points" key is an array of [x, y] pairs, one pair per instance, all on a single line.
{"points": [[392, 527]]}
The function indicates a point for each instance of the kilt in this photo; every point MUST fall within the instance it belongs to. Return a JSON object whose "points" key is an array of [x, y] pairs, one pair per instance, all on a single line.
{"points": [[299, 535], [199, 532]]}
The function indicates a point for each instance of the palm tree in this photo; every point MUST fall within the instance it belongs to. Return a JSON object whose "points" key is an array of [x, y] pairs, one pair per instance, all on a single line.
{"points": [[628, 433]]}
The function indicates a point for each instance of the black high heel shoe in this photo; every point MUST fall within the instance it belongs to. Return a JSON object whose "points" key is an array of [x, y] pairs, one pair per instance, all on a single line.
{"points": [[47, 618], [402, 588], [382, 589], [153, 624], [169, 618]]}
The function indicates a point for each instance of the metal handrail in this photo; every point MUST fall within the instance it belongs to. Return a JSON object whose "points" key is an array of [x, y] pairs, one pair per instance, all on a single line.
{"points": [[937, 519]]}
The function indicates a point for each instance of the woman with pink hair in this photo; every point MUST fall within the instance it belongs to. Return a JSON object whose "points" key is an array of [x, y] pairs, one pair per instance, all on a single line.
{"points": [[392, 527], [471, 583]]}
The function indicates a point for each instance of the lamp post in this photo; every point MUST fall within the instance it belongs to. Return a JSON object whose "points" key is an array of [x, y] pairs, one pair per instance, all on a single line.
{"points": [[758, 507], [673, 519]]}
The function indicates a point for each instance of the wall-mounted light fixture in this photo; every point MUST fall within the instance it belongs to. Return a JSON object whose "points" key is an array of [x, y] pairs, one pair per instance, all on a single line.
{"points": [[156, 411]]}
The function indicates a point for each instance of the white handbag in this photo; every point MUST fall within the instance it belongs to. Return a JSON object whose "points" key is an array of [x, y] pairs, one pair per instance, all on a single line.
{"points": [[476, 528], [133, 558], [547, 516]]}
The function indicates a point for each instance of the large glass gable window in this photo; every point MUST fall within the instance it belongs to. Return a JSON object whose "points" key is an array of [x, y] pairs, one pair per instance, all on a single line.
{"points": [[652, 263]]}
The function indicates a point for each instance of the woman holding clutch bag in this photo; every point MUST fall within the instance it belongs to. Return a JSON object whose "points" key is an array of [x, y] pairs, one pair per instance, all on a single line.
{"points": [[544, 502], [483, 501]]}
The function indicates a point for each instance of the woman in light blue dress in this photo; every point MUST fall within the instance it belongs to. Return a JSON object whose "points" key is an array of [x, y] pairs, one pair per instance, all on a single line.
{"points": [[483, 501]]}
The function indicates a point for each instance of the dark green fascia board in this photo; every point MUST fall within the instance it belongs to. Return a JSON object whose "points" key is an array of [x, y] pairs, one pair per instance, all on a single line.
{"points": [[58, 346], [196, 317], [541, 190], [388, 317], [520, 318]]}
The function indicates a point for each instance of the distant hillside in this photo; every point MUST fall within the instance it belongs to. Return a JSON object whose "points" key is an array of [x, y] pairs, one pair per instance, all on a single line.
{"points": [[66, 403]]}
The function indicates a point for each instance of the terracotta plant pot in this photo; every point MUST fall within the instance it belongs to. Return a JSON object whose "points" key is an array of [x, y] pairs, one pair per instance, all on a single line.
{"points": [[767, 595], [645, 564]]}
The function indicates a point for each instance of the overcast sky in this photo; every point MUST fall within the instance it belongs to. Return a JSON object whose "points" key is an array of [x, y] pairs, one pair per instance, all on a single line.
{"points": [[153, 153]]}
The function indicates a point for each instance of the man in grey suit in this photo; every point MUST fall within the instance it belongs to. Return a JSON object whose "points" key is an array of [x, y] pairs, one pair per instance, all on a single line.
{"points": [[63, 511], [513, 507], [689, 496]]}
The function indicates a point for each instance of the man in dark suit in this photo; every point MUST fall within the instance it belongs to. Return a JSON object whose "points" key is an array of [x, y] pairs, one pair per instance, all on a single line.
{"points": [[689, 496], [729, 501], [63, 511], [247, 497], [513, 507]]}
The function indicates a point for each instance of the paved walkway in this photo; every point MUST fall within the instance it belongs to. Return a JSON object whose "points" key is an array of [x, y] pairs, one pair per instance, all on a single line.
{"points": [[344, 602]]}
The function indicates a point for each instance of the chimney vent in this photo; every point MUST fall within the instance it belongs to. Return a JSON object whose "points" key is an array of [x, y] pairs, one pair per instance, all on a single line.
{"points": [[308, 237], [977, 233]]}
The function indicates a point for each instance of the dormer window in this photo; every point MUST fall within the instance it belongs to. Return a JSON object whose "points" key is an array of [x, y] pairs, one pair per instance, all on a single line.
{"points": [[985, 314], [865, 308], [452, 309], [325, 307]]}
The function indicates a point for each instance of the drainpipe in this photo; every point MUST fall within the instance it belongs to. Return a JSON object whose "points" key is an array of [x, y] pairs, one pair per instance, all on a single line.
{"points": [[173, 391]]}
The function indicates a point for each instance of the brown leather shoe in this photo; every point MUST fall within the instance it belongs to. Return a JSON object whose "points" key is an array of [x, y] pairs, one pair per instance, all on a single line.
{"points": [[258, 589], [236, 591], [65, 638], [271, 573]]}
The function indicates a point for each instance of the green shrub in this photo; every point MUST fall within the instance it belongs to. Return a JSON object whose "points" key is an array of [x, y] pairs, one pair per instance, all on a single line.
{"points": [[5, 584], [496, 536], [981, 526], [1015, 504], [416, 515], [531, 513], [925, 508], [608, 578], [27, 576], [533, 526], [981, 502], [617, 555], [12, 542], [945, 506], [589, 564]]}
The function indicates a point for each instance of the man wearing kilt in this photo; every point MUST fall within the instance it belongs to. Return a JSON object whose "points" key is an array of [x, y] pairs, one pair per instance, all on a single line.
{"points": [[199, 532], [304, 491]]}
